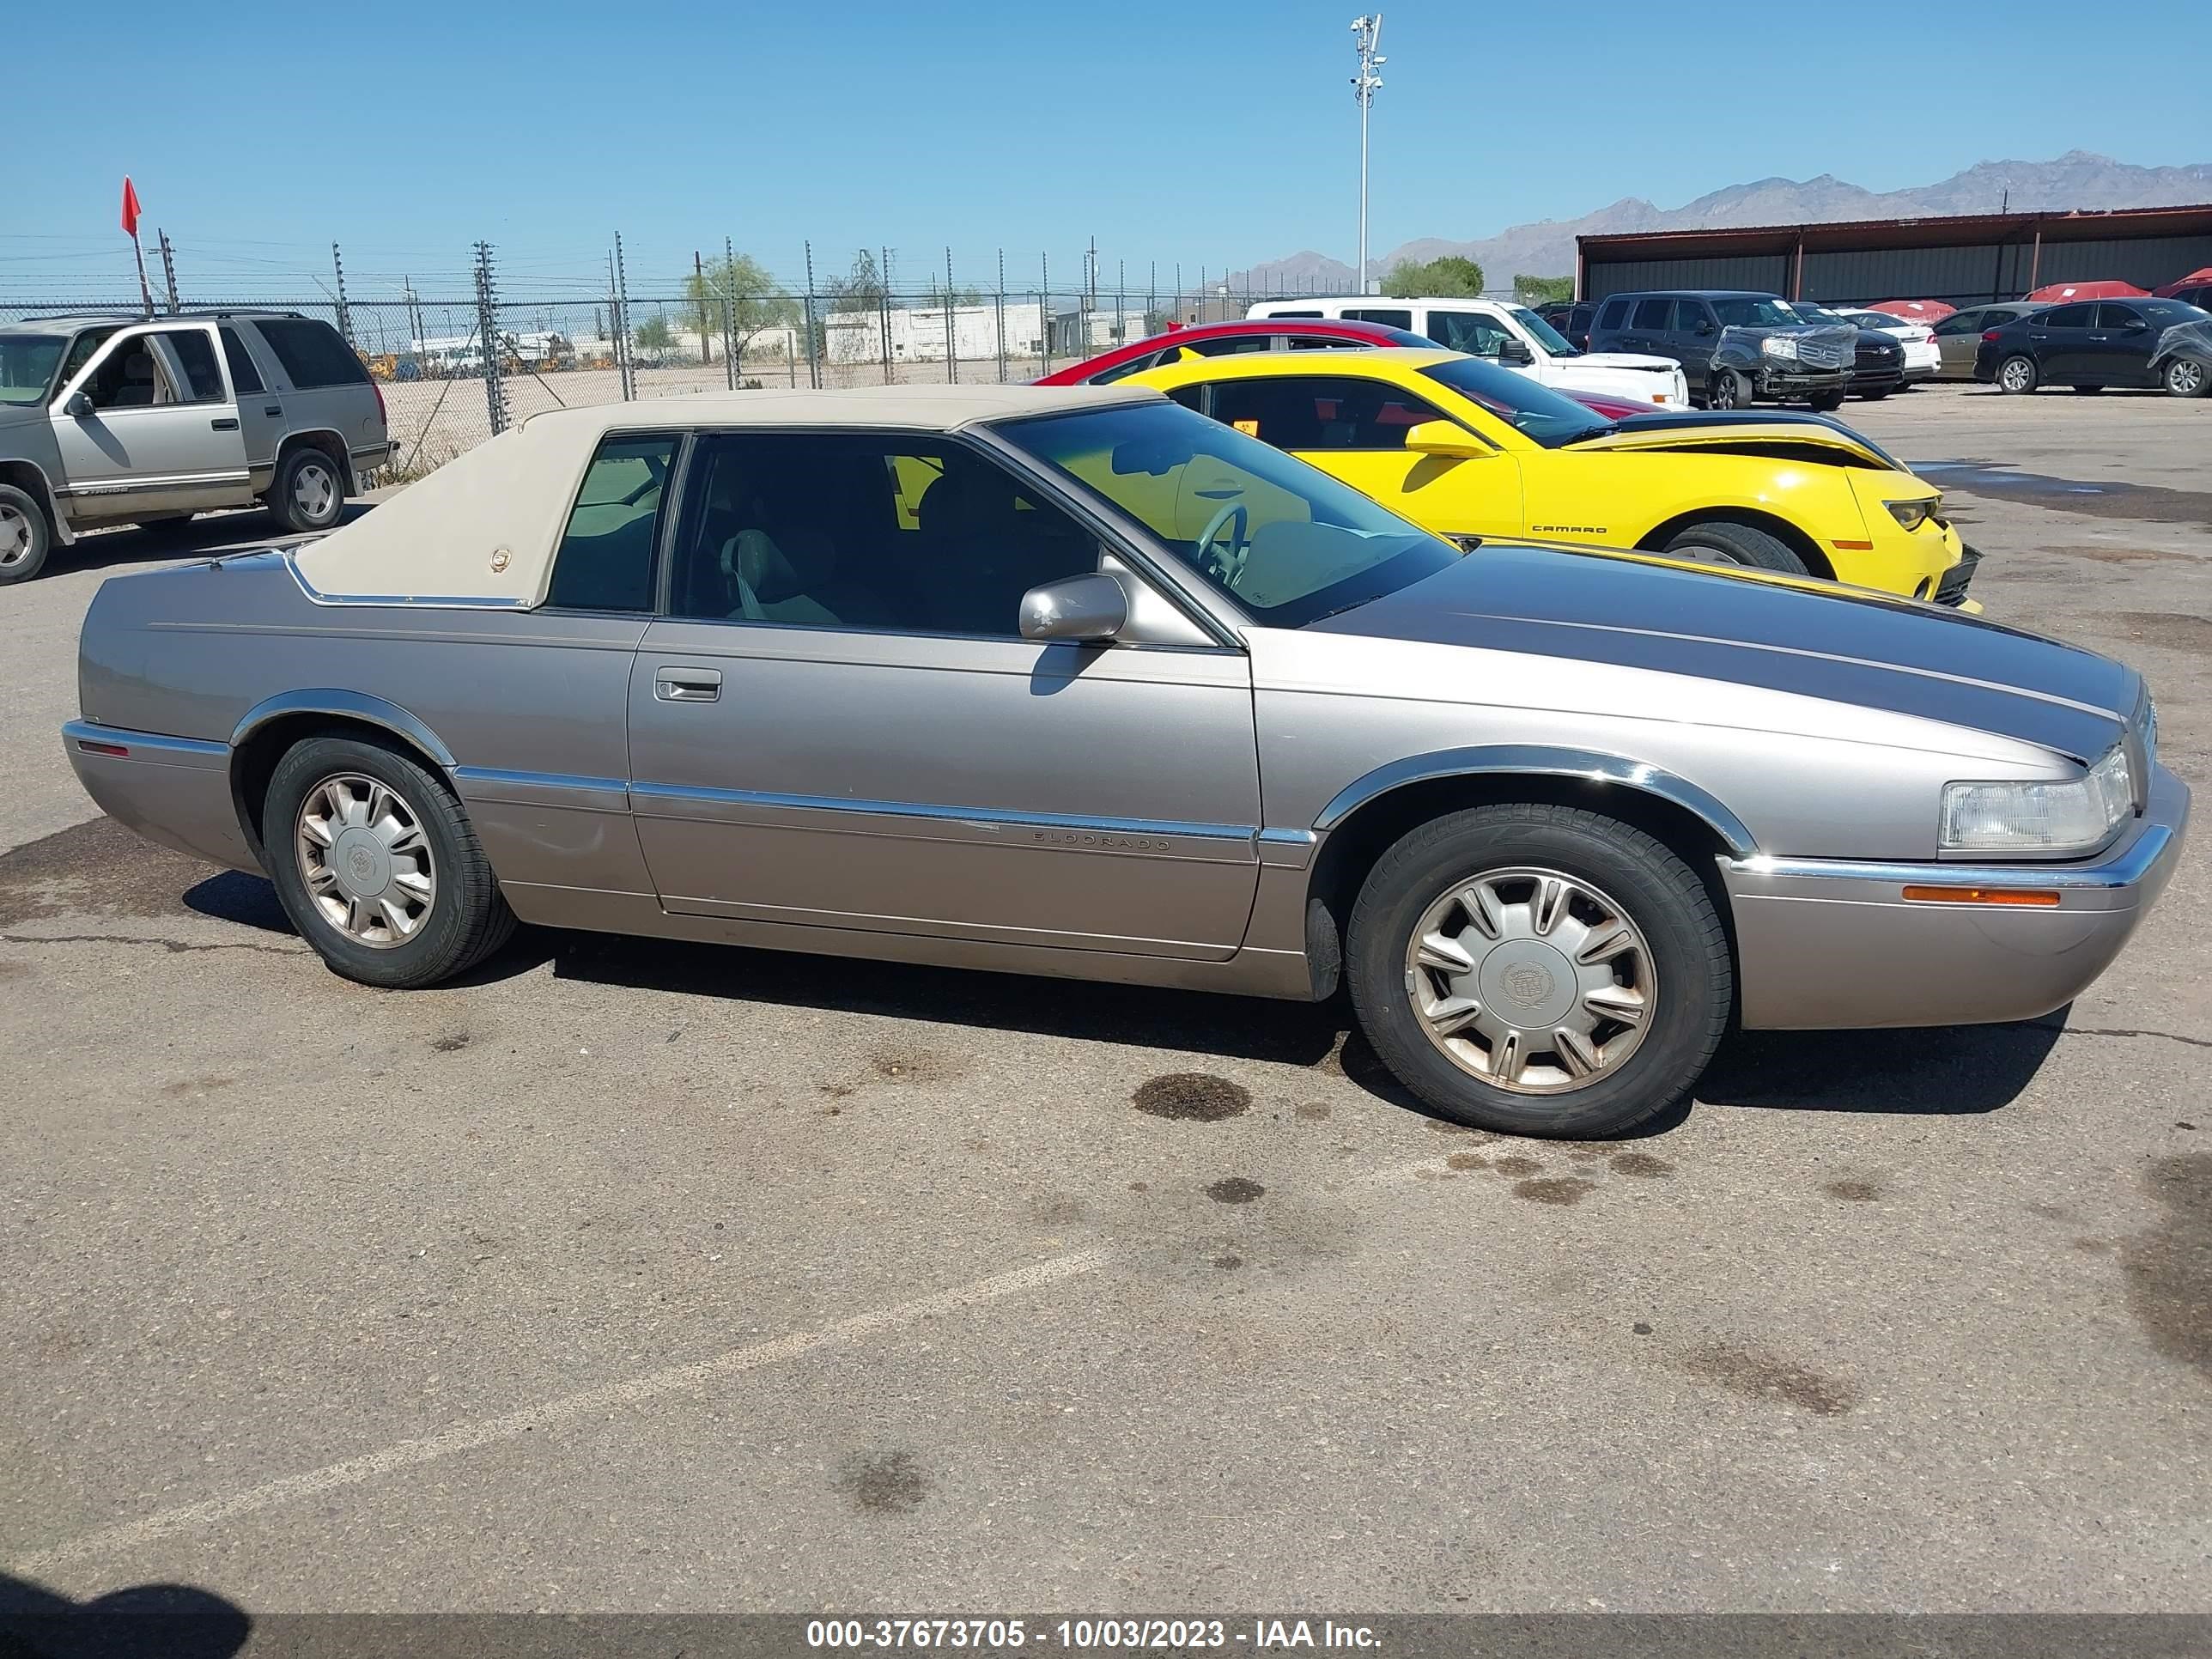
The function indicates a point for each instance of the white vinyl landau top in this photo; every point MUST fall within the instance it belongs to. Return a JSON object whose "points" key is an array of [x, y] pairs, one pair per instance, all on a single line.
{"points": [[483, 528]]}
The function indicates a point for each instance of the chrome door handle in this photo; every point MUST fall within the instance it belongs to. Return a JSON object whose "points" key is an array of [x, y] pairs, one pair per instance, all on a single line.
{"points": [[687, 684], [228, 425], [275, 409]]}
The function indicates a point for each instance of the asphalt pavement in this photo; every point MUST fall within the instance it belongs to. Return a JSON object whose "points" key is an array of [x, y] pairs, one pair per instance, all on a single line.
{"points": [[640, 1277]]}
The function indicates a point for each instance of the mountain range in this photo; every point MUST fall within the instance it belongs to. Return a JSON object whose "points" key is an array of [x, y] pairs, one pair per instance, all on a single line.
{"points": [[2075, 180]]}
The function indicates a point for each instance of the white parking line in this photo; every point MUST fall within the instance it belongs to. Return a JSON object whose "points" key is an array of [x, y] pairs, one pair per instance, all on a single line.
{"points": [[467, 1436]]}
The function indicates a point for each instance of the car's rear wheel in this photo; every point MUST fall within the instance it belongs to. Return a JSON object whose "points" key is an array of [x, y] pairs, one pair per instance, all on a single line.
{"points": [[2184, 377], [2017, 374], [1730, 390], [26, 537], [1722, 543], [1539, 969], [309, 491], [375, 862]]}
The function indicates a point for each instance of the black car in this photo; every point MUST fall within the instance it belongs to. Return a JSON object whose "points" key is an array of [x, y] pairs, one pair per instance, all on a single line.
{"points": [[1878, 361], [1571, 318], [1734, 346], [2089, 345]]}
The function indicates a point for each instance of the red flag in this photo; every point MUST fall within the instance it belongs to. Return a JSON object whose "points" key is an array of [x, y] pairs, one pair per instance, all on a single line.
{"points": [[130, 209]]}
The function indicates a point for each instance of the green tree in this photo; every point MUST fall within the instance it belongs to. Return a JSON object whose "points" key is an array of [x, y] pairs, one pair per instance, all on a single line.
{"points": [[756, 302], [1451, 278], [1543, 291], [654, 334]]}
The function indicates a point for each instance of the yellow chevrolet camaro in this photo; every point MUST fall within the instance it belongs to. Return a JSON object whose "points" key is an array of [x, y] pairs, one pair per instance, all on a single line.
{"points": [[1470, 450]]}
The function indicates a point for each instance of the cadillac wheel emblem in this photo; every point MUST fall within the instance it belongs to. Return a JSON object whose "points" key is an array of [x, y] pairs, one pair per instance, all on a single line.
{"points": [[499, 561]]}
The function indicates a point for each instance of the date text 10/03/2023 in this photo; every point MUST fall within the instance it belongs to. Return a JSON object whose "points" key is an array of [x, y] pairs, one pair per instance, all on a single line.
{"points": [[999, 1635]]}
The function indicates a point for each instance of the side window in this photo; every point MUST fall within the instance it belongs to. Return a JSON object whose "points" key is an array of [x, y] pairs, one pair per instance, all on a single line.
{"points": [[312, 354], [1469, 332], [1388, 318], [144, 370], [1230, 345], [1321, 343], [1191, 398], [604, 561], [1314, 413], [80, 354], [1295, 313], [1614, 314], [1652, 314], [244, 376], [1959, 322], [1688, 314], [1142, 360], [195, 379], [865, 530], [2112, 316], [2075, 316]]}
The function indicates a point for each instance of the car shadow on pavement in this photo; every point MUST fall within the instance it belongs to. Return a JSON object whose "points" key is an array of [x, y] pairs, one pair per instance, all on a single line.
{"points": [[1932, 1071], [212, 533], [173, 1621]]}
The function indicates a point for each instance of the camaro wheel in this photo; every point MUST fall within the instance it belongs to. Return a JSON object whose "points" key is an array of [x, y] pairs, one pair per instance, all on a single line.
{"points": [[377, 866], [2186, 378], [1539, 971], [1730, 390], [24, 536], [1721, 543], [2017, 374], [309, 492]]}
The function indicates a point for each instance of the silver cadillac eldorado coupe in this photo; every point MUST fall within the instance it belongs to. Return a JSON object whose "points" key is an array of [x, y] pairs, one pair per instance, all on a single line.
{"points": [[1078, 682]]}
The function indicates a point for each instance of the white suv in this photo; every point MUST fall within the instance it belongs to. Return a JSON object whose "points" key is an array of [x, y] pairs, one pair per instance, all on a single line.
{"points": [[108, 421], [1511, 336]]}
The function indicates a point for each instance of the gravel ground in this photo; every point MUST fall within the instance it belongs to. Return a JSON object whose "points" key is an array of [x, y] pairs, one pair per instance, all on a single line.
{"points": [[636, 1277]]}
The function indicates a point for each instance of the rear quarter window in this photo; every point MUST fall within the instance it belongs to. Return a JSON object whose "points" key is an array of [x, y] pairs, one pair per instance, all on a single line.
{"points": [[1614, 314], [312, 354]]}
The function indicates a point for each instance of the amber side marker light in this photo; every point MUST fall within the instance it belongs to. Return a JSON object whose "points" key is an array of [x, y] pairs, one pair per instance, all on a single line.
{"points": [[92, 748], [2033, 897]]}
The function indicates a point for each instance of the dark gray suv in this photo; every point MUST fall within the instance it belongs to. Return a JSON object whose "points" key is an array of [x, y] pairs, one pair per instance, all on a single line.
{"points": [[107, 419], [1732, 347]]}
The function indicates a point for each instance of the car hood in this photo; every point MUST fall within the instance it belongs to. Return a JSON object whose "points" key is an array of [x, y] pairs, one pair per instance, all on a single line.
{"points": [[13, 414], [1621, 359], [1750, 432], [1844, 644]]}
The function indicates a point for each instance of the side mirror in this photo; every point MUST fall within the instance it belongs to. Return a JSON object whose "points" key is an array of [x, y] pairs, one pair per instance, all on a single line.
{"points": [[79, 406], [1704, 325], [1513, 352], [1091, 607], [1446, 438], [2136, 325]]}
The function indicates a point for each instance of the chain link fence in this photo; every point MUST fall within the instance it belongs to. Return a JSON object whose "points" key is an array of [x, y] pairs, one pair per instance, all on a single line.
{"points": [[445, 392]]}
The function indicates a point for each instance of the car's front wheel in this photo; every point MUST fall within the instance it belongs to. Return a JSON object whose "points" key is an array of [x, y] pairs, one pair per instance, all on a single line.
{"points": [[377, 866], [25, 536], [309, 493], [2185, 377], [2017, 374], [1539, 969], [1722, 543], [1730, 390]]}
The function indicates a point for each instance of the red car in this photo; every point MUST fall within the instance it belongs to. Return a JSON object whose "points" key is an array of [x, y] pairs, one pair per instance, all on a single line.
{"points": [[1276, 334]]}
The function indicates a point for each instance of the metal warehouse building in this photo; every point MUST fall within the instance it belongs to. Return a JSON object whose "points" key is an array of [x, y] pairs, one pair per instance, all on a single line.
{"points": [[1966, 259]]}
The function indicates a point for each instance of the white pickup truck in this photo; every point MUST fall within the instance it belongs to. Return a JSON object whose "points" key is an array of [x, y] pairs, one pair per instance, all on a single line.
{"points": [[1511, 336]]}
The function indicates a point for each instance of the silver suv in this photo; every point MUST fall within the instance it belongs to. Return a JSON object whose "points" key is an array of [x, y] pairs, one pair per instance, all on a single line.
{"points": [[108, 421]]}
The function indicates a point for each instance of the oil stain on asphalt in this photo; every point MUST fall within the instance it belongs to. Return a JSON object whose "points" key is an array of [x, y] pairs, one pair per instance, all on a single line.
{"points": [[1851, 1192], [1765, 1376], [2169, 1267], [1191, 1097], [1560, 1189], [1234, 1189], [883, 1484]]}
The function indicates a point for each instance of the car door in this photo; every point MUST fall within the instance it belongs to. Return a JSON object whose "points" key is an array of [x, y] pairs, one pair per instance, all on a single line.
{"points": [[155, 431], [2058, 340], [1692, 335], [2120, 346], [260, 411], [835, 723], [1354, 429], [1647, 327], [1958, 336]]}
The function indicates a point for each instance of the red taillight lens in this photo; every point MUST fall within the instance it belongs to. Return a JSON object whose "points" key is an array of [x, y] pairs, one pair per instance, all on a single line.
{"points": [[1989, 335], [382, 419]]}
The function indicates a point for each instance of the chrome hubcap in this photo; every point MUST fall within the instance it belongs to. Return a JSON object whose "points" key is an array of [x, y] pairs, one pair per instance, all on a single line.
{"points": [[1530, 979], [2185, 377], [2016, 374], [366, 859], [14, 536], [314, 491]]}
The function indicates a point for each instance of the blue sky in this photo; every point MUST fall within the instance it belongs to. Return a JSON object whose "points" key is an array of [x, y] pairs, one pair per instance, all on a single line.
{"points": [[1207, 134]]}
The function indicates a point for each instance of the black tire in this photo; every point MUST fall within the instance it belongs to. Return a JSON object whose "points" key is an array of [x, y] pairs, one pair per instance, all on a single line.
{"points": [[1877, 394], [1730, 389], [2184, 377], [1688, 949], [467, 918], [1718, 542], [26, 537], [2018, 374], [1827, 403], [283, 498]]}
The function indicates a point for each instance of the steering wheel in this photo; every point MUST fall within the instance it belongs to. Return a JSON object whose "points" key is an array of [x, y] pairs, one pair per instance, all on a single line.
{"points": [[1226, 565]]}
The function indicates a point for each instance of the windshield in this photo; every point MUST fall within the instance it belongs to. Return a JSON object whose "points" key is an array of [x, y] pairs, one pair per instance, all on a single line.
{"points": [[1289, 544], [1812, 314], [2167, 313], [28, 362], [1551, 340], [1755, 313], [1531, 409]]}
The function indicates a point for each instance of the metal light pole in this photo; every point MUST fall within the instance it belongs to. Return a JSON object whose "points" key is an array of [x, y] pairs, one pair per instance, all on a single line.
{"points": [[1365, 32]]}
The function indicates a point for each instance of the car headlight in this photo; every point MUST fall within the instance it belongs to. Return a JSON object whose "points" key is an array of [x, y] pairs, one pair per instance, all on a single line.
{"points": [[2039, 816], [1779, 345], [1913, 514]]}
